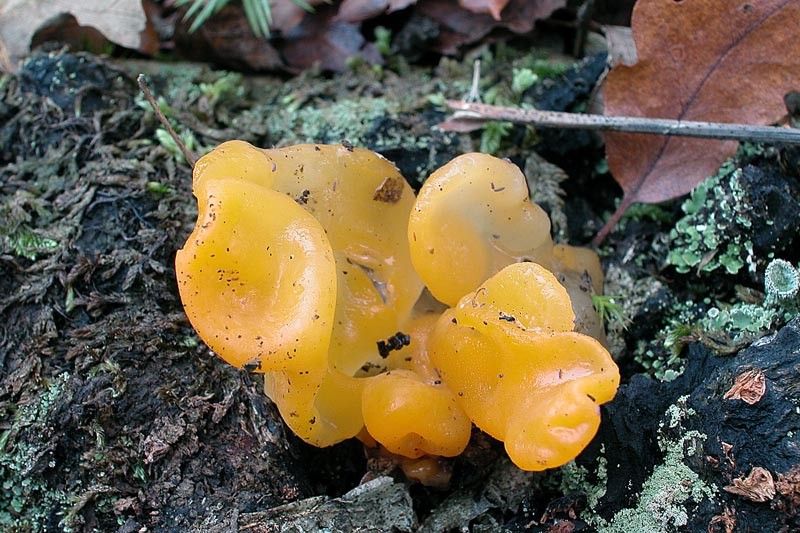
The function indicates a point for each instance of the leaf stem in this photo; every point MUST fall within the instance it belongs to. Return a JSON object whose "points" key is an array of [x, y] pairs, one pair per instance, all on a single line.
{"points": [[468, 112], [612, 222]]}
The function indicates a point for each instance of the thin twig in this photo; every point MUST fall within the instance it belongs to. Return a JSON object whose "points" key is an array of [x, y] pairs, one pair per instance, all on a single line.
{"points": [[474, 90], [476, 112], [583, 17], [163, 120]]}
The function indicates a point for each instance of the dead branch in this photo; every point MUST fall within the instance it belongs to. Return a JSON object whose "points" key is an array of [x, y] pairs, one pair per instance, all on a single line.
{"points": [[469, 112]]}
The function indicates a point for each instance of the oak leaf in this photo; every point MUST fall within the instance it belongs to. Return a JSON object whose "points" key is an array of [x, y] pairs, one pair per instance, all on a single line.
{"points": [[703, 60], [120, 21]]}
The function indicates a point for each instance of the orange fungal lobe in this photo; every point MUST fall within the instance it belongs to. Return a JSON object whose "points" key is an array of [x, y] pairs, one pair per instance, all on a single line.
{"points": [[307, 265]]}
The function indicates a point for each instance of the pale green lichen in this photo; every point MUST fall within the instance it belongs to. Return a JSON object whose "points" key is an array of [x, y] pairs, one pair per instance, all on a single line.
{"points": [[577, 479], [667, 497], [748, 321], [705, 238], [781, 280], [359, 122], [714, 232], [27, 501]]}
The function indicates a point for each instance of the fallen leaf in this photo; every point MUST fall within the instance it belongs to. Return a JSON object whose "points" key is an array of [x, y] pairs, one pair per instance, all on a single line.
{"points": [[493, 7], [286, 14], [705, 60], [621, 46], [325, 40], [227, 38], [459, 27], [758, 486], [359, 10], [748, 387], [120, 21]]}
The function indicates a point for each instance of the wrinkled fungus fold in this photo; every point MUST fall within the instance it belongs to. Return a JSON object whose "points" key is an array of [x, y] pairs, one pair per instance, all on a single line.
{"points": [[307, 264]]}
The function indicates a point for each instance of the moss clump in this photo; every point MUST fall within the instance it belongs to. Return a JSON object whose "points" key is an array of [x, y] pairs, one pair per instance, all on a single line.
{"points": [[666, 362], [371, 122], [667, 496]]}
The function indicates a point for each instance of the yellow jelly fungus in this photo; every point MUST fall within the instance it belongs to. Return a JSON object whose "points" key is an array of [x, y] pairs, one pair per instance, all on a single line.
{"points": [[258, 289], [363, 203], [519, 372], [303, 258], [357, 203], [473, 216], [408, 410], [430, 471]]}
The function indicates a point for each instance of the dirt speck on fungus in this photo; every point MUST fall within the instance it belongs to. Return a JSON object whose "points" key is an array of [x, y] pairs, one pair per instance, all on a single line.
{"points": [[389, 191]]}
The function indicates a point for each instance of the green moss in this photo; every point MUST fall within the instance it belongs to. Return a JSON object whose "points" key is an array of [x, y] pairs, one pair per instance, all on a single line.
{"points": [[493, 134], [630, 294], [523, 79], [26, 242], [383, 40]]}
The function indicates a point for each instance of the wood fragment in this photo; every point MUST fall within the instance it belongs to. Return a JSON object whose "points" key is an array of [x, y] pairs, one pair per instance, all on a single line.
{"points": [[758, 486], [382, 503], [749, 387]]}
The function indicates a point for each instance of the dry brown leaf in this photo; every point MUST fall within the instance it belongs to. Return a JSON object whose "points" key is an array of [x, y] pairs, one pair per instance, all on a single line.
{"points": [[287, 14], [706, 60], [758, 486], [228, 38], [749, 387], [459, 27], [120, 21], [327, 41], [621, 46], [359, 10], [493, 7]]}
